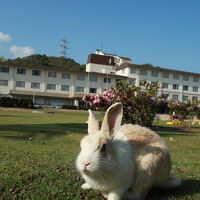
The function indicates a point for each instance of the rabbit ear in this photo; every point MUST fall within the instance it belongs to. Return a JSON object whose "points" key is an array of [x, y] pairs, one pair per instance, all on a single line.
{"points": [[112, 120], [93, 123]]}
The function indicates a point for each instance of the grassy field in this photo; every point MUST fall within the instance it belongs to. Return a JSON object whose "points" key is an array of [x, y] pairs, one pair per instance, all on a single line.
{"points": [[38, 151]]}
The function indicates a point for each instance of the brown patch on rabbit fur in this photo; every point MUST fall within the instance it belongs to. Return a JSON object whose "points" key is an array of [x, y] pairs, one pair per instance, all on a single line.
{"points": [[150, 156], [100, 141], [149, 148], [145, 141], [139, 136]]}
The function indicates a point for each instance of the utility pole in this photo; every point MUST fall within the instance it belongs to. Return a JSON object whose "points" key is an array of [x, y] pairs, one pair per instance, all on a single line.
{"points": [[63, 48]]}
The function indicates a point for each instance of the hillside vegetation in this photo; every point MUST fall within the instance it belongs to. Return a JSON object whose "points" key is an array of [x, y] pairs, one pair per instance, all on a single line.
{"points": [[45, 61]]}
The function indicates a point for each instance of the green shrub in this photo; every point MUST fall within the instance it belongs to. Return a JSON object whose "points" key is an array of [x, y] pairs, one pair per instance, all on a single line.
{"points": [[6, 102], [18, 103], [25, 103], [162, 107]]}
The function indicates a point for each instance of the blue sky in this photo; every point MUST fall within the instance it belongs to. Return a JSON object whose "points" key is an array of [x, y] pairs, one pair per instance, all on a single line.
{"points": [[163, 33]]}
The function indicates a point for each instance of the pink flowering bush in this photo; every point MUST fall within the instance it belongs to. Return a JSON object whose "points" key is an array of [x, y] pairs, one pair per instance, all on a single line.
{"points": [[139, 105], [184, 110], [100, 100]]}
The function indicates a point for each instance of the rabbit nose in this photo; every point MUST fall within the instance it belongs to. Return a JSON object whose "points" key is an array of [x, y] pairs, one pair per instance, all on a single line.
{"points": [[86, 164]]}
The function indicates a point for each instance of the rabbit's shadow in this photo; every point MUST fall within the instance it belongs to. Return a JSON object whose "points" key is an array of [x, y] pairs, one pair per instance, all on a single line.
{"points": [[188, 187]]}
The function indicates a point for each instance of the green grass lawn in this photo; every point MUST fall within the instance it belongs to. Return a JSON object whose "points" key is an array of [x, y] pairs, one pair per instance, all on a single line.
{"points": [[38, 151]]}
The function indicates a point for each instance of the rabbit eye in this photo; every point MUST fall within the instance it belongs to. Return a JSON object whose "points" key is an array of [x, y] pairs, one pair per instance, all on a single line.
{"points": [[103, 148]]}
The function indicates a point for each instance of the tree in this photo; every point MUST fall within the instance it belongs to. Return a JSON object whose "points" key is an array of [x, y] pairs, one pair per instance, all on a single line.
{"points": [[2, 59], [47, 61]]}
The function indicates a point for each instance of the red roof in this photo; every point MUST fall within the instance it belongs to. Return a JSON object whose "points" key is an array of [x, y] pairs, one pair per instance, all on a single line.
{"points": [[101, 59]]}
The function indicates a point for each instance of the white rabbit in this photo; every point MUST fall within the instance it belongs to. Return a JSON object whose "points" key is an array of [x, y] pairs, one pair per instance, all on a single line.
{"points": [[123, 161]]}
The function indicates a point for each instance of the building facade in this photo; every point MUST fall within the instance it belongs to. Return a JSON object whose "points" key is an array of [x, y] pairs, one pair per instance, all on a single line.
{"points": [[179, 85], [52, 86]]}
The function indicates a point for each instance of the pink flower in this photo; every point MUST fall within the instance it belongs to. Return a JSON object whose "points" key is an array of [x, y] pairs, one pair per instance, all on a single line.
{"points": [[105, 92], [119, 98], [96, 101]]}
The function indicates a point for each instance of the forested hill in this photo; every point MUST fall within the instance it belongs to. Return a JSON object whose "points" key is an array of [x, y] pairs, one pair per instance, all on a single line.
{"points": [[46, 61]]}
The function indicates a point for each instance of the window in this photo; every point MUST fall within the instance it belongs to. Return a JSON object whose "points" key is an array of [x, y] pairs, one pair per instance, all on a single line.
{"points": [[175, 97], [154, 73], [176, 77], [80, 89], [195, 89], [51, 87], [133, 70], [185, 98], [195, 79], [107, 80], [93, 78], [185, 87], [4, 69], [131, 81], [93, 90], [52, 74], [3, 82], [80, 77], [186, 78], [65, 75], [64, 88], [165, 85], [36, 72], [165, 75], [3, 95], [143, 72], [35, 85], [175, 86], [21, 71], [20, 84]]}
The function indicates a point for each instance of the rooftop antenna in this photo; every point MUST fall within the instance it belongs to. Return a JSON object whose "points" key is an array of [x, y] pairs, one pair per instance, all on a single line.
{"points": [[63, 48]]}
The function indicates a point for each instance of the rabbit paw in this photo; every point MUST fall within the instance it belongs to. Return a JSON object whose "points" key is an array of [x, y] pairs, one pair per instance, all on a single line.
{"points": [[85, 186], [105, 195], [113, 196]]}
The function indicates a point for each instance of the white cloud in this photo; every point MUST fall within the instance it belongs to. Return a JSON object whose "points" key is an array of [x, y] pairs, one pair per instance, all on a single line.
{"points": [[4, 37], [21, 51]]}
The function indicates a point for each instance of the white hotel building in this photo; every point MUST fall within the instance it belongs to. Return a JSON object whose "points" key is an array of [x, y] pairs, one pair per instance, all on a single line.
{"points": [[50, 86]]}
